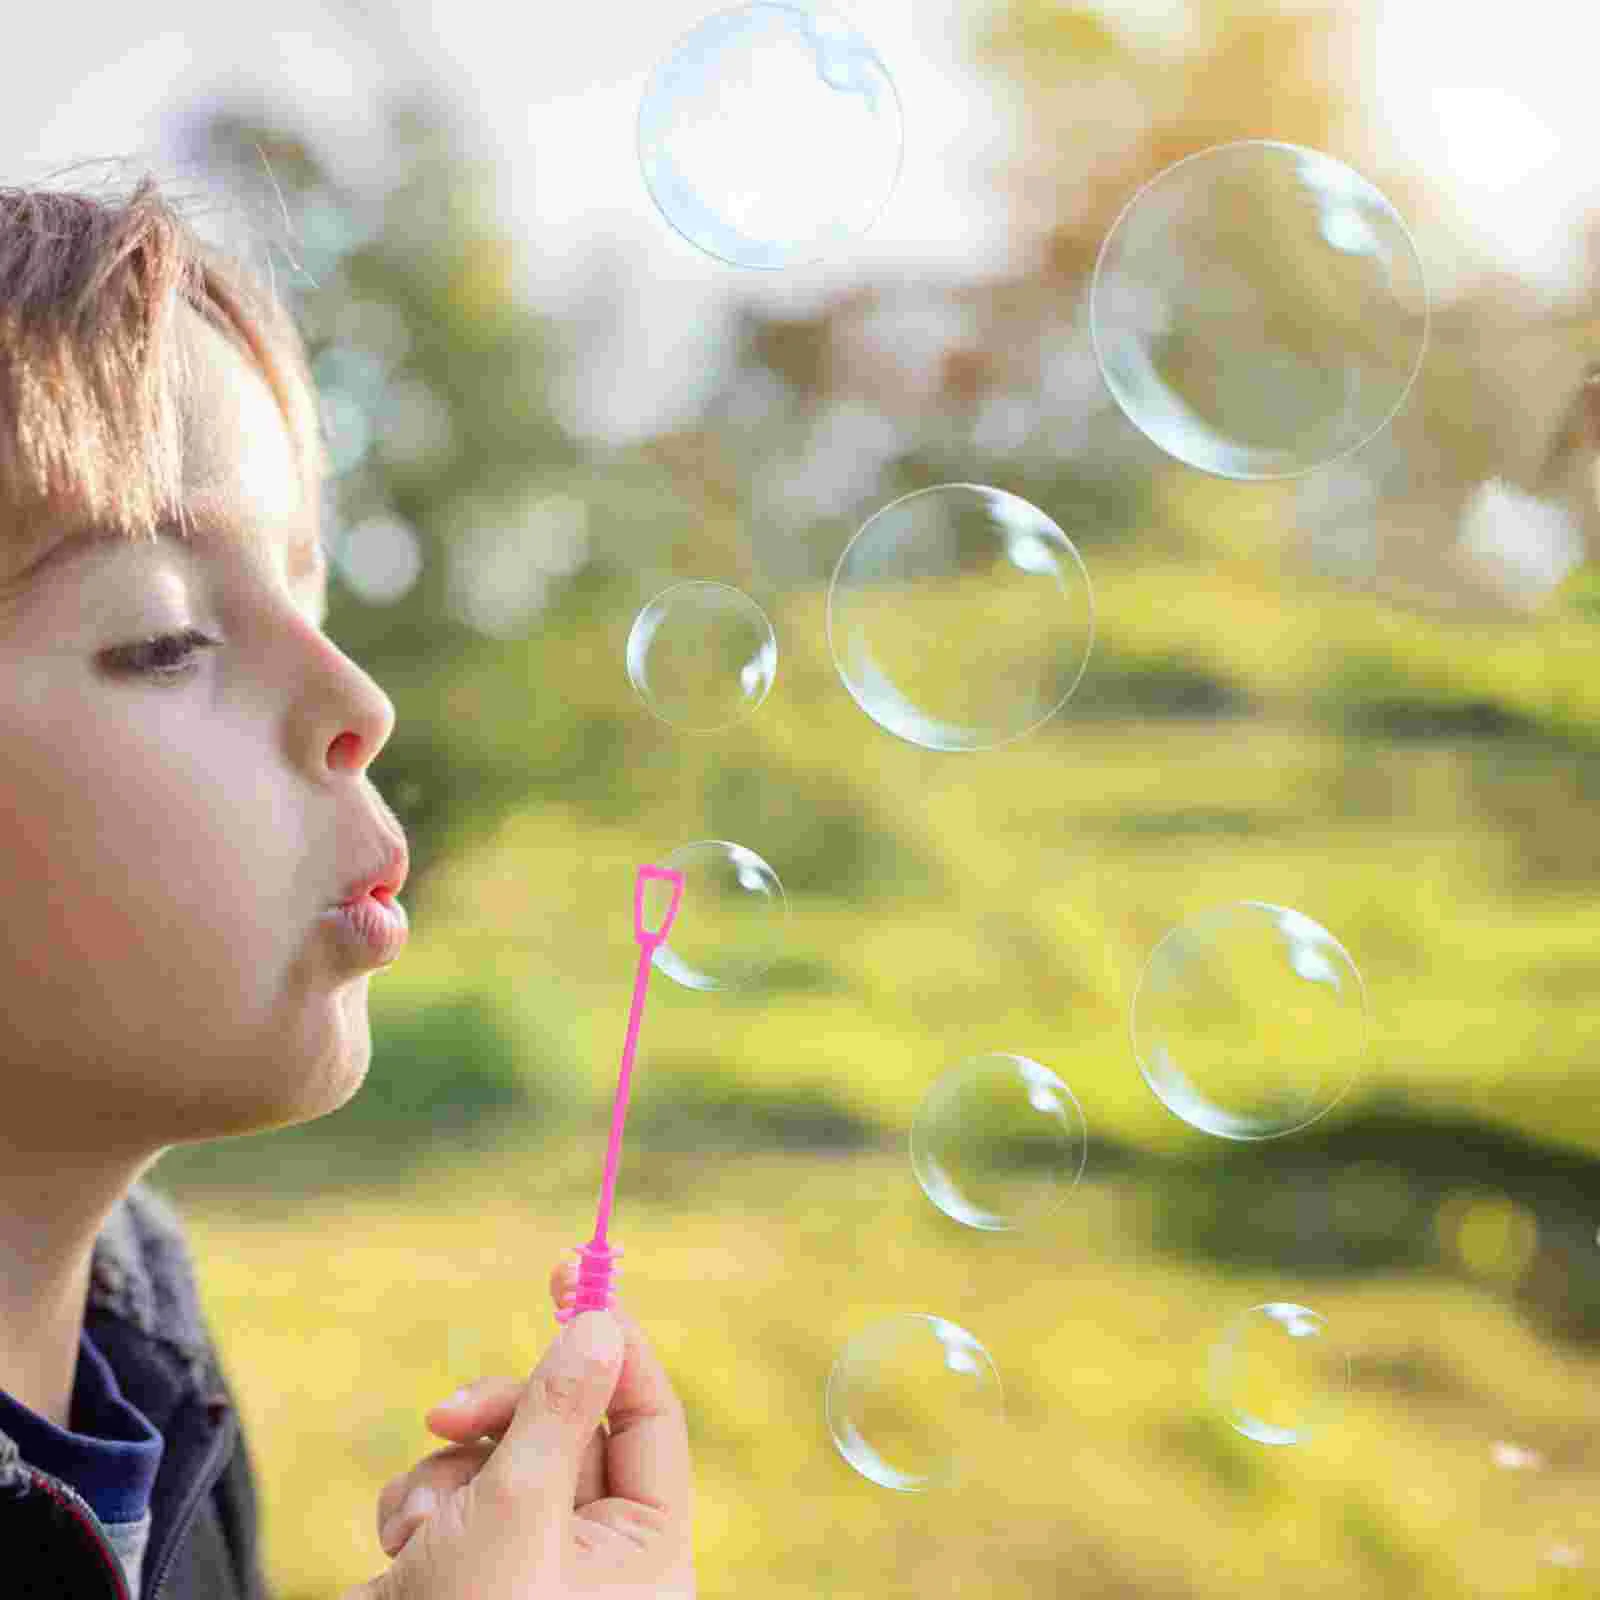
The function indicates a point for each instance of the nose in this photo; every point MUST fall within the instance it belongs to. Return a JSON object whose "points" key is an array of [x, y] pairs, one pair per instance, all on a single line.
{"points": [[347, 718], [354, 749]]}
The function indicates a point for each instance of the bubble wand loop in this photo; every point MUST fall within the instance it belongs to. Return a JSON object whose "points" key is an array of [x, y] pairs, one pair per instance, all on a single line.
{"points": [[596, 1260]]}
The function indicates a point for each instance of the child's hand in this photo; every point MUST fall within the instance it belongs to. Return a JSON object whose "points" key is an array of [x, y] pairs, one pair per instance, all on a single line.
{"points": [[537, 1501]]}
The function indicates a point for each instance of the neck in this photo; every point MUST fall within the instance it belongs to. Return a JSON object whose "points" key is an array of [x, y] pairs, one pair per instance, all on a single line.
{"points": [[50, 1215]]}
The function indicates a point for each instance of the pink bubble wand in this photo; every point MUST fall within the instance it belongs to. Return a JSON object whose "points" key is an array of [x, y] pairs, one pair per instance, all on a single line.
{"points": [[597, 1260]]}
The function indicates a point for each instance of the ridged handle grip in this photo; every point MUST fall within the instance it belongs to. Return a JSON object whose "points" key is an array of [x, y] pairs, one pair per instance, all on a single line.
{"points": [[597, 1277]]}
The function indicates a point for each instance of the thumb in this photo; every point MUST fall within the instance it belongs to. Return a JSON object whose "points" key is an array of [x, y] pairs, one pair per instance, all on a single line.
{"points": [[536, 1462]]}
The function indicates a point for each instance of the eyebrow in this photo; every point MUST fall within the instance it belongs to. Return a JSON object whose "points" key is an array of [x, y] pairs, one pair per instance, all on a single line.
{"points": [[307, 558]]}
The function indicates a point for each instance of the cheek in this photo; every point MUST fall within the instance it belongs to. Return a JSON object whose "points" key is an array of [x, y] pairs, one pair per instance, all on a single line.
{"points": [[119, 836]]}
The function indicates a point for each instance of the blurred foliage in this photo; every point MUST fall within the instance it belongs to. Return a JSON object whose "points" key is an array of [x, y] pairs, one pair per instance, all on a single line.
{"points": [[1403, 751], [491, 726]]}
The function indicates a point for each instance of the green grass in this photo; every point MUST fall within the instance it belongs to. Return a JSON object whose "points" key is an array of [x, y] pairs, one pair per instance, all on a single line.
{"points": [[1421, 789], [1113, 1475]]}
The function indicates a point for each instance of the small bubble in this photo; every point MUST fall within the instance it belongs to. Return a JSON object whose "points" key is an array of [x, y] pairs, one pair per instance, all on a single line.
{"points": [[701, 656], [998, 1142], [1249, 1022], [730, 921], [960, 617], [912, 1401], [1276, 1376]]}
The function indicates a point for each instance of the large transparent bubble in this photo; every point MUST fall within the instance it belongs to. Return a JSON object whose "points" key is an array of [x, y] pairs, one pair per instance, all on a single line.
{"points": [[771, 136], [1259, 310], [960, 617], [1250, 1021], [912, 1401]]}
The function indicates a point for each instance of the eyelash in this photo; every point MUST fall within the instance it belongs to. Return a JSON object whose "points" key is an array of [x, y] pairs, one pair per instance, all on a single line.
{"points": [[135, 659]]}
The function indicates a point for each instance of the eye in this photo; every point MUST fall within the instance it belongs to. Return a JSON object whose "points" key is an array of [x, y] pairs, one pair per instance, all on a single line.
{"points": [[163, 656]]}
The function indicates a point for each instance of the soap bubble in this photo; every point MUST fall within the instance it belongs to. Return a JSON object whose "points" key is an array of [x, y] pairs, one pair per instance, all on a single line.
{"points": [[998, 1142], [912, 1400], [960, 617], [771, 136], [1249, 1022], [730, 920], [1258, 310], [1276, 1374], [701, 656]]}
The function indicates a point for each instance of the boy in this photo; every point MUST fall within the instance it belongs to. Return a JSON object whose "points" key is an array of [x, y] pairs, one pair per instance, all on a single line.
{"points": [[184, 808]]}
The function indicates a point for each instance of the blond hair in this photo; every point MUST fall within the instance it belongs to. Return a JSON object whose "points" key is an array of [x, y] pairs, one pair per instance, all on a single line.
{"points": [[92, 382]]}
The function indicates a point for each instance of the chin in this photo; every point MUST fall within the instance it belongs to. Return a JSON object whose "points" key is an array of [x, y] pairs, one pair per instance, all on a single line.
{"points": [[332, 1063]]}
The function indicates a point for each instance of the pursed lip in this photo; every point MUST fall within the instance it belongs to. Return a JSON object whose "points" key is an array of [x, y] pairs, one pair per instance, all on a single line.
{"points": [[380, 923], [385, 879]]}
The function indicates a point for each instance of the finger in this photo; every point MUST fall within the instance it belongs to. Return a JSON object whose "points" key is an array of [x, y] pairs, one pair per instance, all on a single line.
{"points": [[485, 1412], [484, 1408], [592, 1482], [647, 1452], [563, 1280], [564, 1285], [647, 1456], [536, 1462], [441, 1474]]}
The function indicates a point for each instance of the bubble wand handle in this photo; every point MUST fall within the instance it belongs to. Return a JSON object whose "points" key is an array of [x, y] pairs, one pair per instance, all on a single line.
{"points": [[597, 1259]]}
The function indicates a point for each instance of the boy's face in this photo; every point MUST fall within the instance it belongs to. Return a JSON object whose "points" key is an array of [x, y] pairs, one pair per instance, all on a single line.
{"points": [[168, 844]]}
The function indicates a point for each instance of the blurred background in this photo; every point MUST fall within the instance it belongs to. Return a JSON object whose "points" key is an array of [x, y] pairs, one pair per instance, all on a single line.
{"points": [[1369, 693]]}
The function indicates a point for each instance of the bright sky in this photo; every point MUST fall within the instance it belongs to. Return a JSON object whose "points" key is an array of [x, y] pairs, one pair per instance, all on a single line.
{"points": [[1499, 116]]}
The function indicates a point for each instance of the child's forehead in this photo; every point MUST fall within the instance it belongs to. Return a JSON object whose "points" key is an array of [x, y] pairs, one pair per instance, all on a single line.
{"points": [[237, 453]]}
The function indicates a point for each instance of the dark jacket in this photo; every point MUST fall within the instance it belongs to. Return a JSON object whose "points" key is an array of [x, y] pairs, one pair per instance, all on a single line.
{"points": [[143, 1314]]}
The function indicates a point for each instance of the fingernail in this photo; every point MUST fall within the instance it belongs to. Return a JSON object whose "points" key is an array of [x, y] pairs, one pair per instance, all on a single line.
{"points": [[419, 1503], [594, 1336], [459, 1398]]}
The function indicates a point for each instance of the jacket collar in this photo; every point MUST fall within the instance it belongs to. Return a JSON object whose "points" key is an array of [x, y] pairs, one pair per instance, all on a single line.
{"points": [[142, 1289], [141, 1274]]}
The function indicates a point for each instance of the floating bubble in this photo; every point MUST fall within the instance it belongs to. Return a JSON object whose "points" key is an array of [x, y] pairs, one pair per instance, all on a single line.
{"points": [[701, 656], [730, 921], [1258, 310], [1276, 1374], [998, 1142], [912, 1401], [771, 136], [1249, 1022], [960, 617]]}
